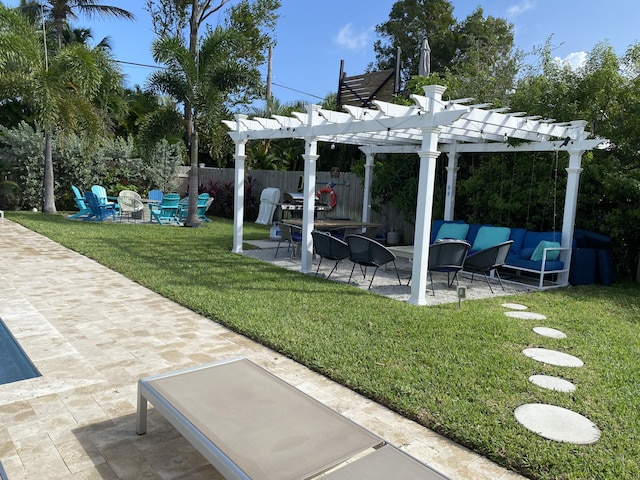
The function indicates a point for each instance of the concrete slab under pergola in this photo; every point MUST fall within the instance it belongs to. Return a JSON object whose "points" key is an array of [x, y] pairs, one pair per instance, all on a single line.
{"points": [[428, 128]]}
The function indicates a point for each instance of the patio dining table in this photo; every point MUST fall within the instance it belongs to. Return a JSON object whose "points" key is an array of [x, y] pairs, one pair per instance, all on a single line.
{"points": [[331, 224]]}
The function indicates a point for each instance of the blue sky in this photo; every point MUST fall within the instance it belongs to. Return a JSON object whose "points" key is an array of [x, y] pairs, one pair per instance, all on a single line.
{"points": [[314, 35]]}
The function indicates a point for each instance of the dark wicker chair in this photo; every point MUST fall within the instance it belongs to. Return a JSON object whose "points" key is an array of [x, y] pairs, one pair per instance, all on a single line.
{"points": [[447, 257], [329, 247], [488, 260], [366, 252]]}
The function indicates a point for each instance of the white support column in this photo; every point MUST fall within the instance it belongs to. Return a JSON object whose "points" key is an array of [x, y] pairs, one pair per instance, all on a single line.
{"points": [[368, 180], [424, 212], [570, 205], [238, 195], [308, 213], [452, 179]]}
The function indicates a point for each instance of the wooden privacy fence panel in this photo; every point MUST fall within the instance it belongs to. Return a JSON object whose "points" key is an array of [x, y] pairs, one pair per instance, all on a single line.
{"points": [[348, 188]]}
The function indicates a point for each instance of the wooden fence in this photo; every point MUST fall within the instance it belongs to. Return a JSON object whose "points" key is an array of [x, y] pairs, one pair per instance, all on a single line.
{"points": [[348, 187]]}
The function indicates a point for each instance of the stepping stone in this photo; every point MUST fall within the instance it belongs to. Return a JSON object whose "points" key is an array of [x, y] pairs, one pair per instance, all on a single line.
{"points": [[552, 383], [514, 306], [549, 332], [557, 423], [526, 315], [553, 357]]}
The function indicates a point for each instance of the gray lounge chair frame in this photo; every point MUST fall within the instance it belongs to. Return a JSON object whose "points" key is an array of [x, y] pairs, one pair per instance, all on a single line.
{"points": [[252, 425]]}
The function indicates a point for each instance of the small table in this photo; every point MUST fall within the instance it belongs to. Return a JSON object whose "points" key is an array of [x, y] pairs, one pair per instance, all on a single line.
{"points": [[403, 251]]}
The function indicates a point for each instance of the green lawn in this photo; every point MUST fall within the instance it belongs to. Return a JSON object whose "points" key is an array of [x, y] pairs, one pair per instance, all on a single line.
{"points": [[458, 372]]}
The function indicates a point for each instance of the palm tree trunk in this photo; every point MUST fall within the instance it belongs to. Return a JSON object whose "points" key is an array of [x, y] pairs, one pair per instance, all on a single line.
{"points": [[48, 200]]}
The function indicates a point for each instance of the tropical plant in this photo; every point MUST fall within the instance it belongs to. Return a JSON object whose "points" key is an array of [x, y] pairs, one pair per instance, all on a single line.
{"points": [[59, 89], [59, 12], [208, 75]]}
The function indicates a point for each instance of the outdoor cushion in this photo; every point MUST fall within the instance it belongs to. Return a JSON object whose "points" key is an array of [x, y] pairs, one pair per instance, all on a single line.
{"points": [[551, 255], [517, 235], [526, 253], [456, 231], [490, 236]]}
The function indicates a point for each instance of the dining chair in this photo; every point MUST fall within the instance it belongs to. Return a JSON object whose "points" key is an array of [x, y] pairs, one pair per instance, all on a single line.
{"points": [[327, 246], [487, 261], [366, 252]]}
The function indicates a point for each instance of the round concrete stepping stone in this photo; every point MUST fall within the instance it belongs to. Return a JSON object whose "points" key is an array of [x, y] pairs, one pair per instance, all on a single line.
{"points": [[557, 423], [549, 332], [552, 383], [553, 357], [514, 306], [526, 315]]}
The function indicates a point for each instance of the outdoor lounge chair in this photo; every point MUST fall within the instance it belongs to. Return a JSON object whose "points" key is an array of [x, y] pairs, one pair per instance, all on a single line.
{"points": [[366, 252], [83, 208], [252, 425], [167, 212], [447, 257], [101, 194], [204, 202], [155, 196], [129, 202], [99, 211], [329, 247], [487, 261]]}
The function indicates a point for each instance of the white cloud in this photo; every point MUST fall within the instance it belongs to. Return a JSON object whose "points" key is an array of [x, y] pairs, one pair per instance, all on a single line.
{"points": [[574, 60], [520, 8], [350, 39]]}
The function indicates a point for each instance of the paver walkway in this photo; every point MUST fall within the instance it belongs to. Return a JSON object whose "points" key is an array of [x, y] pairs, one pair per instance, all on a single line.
{"points": [[92, 333]]}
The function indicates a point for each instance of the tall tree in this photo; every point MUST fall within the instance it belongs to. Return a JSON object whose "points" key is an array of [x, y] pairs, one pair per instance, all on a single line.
{"points": [[410, 21], [61, 11], [60, 90], [206, 75]]}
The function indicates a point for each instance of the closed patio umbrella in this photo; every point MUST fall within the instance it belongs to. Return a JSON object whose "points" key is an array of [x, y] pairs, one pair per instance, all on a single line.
{"points": [[424, 67]]}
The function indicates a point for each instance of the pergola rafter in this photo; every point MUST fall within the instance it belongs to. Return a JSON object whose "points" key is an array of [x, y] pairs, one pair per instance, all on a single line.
{"points": [[430, 126]]}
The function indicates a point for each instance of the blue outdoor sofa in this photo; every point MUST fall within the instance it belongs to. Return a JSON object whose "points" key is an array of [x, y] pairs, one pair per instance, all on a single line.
{"points": [[537, 253]]}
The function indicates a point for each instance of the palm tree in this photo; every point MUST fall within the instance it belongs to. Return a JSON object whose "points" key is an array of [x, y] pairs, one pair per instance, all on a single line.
{"points": [[61, 90], [61, 11]]}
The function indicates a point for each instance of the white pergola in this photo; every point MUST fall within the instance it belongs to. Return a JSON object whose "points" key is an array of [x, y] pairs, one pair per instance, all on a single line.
{"points": [[428, 128]]}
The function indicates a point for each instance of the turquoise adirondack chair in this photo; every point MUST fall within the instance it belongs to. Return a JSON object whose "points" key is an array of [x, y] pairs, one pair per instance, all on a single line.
{"points": [[155, 196], [204, 202], [83, 208], [99, 212], [168, 211], [101, 194]]}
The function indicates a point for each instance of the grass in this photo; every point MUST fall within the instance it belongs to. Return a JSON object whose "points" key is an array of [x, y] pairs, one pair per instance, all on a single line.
{"points": [[458, 372]]}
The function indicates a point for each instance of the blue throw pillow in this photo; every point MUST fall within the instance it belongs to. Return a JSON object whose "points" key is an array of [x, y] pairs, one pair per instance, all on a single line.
{"points": [[490, 236], [552, 255], [456, 231]]}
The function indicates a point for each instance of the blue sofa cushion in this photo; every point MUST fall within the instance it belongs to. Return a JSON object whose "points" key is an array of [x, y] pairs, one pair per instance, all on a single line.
{"points": [[550, 265], [474, 228], [490, 236], [532, 239], [526, 253], [437, 225], [456, 231], [551, 255], [517, 235]]}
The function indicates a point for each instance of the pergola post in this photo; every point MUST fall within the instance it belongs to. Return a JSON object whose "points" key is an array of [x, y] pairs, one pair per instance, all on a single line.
{"points": [[308, 213], [570, 205], [368, 180], [238, 195], [452, 178], [424, 212]]}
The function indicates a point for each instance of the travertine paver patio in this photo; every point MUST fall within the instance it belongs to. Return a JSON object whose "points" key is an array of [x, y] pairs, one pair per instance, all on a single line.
{"points": [[92, 333]]}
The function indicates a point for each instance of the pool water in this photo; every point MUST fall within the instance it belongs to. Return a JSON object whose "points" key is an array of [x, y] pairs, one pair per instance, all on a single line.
{"points": [[14, 363]]}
